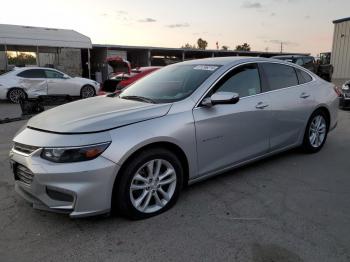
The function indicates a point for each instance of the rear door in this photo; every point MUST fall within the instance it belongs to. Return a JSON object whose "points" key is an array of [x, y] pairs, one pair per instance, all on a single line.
{"points": [[228, 134], [33, 81], [289, 104]]}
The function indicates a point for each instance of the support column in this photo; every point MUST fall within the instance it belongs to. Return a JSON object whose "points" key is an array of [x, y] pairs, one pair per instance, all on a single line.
{"points": [[149, 62], [183, 56], [212, 54], [89, 64], [6, 60], [37, 56]]}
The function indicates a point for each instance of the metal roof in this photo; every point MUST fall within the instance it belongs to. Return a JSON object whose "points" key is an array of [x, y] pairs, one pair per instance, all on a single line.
{"points": [[188, 50], [341, 20], [41, 36]]}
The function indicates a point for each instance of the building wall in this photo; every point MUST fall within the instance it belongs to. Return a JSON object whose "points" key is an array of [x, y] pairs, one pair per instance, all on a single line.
{"points": [[341, 51], [69, 61]]}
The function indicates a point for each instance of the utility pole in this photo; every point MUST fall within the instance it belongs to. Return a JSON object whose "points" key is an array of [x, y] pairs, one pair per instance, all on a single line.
{"points": [[281, 47]]}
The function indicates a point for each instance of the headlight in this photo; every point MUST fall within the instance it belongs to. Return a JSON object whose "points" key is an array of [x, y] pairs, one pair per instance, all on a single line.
{"points": [[345, 86], [74, 154]]}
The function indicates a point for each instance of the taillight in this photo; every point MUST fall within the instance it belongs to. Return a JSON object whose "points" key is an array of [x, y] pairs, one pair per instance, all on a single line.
{"points": [[337, 91]]}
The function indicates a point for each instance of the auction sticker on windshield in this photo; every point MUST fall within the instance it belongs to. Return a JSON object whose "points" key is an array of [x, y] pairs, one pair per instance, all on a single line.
{"points": [[205, 67]]}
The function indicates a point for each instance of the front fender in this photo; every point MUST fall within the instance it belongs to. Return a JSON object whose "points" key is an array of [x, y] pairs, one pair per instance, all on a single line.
{"points": [[177, 129]]}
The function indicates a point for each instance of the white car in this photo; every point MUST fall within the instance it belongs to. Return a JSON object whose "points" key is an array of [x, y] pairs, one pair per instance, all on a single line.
{"points": [[31, 82]]}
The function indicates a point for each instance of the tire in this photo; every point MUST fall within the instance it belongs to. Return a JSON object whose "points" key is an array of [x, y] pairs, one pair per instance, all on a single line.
{"points": [[14, 95], [150, 196], [87, 91], [316, 132]]}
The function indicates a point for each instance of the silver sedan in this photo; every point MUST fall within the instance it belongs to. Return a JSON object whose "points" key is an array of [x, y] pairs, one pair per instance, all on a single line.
{"points": [[186, 122]]}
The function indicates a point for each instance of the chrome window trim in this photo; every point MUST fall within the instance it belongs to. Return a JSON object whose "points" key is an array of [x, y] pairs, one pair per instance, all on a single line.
{"points": [[197, 105]]}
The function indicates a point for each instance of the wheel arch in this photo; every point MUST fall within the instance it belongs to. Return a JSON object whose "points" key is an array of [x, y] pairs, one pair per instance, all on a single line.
{"points": [[326, 111], [179, 152], [90, 85], [15, 87]]}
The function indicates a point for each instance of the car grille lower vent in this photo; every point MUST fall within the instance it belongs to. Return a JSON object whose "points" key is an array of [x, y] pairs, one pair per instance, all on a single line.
{"points": [[23, 174], [25, 149]]}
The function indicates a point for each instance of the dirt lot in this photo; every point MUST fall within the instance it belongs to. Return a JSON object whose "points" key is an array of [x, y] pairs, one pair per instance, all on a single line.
{"points": [[291, 207]]}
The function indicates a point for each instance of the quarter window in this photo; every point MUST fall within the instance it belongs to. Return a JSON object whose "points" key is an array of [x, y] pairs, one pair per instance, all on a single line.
{"points": [[244, 81], [303, 76], [32, 73], [279, 76]]}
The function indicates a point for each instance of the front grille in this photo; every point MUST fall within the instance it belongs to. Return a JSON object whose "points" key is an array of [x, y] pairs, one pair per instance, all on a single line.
{"points": [[23, 174], [25, 149]]}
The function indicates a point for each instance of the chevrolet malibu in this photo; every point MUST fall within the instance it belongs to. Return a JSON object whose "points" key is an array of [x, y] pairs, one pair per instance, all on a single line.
{"points": [[186, 122]]}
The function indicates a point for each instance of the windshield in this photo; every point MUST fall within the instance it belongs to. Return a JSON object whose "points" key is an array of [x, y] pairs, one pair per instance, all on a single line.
{"points": [[170, 84]]}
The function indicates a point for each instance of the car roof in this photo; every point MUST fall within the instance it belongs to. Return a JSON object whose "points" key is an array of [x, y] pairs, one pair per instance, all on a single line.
{"points": [[17, 69], [231, 60]]}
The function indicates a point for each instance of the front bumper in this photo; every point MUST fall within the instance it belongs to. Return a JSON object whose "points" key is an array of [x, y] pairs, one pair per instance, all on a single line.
{"points": [[344, 101], [78, 189]]}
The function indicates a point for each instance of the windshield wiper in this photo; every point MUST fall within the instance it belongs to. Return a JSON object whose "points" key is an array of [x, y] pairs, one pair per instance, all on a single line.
{"points": [[139, 98]]}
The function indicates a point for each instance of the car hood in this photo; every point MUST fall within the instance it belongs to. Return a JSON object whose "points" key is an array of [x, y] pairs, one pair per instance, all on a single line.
{"points": [[96, 114]]}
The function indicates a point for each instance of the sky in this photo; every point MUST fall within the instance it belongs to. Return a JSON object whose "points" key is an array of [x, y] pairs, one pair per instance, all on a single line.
{"points": [[301, 25]]}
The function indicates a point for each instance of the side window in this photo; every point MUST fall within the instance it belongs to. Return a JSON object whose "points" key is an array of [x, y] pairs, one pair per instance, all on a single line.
{"points": [[244, 80], [299, 61], [303, 76], [308, 60], [32, 73], [53, 74], [279, 76]]}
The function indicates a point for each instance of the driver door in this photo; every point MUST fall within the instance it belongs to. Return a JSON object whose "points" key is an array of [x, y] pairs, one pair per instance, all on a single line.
{"points": [[57, 84], [228, 134]]}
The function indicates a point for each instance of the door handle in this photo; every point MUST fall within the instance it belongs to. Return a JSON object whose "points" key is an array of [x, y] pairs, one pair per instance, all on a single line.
{"points": [[304, 95], [261, 105]]}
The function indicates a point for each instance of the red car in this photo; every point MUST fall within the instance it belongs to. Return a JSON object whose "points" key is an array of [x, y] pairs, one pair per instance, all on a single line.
{"points": [[120, 81]]}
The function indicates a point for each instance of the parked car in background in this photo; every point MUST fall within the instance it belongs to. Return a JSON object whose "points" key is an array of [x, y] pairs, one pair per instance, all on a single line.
{"points": [[345, 96], [184, 123], [321, 67], [32, 82], [116, 83], [325, 68], [307, 62]]}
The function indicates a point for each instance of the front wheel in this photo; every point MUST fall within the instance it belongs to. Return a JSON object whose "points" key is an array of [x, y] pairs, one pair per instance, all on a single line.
{"points": [[316, 132], [87, 91], [149, 184]]}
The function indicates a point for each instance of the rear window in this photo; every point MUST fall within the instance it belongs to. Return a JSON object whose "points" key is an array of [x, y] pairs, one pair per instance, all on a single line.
{"points": [[303, 76], [279, 76], [32, 73]]}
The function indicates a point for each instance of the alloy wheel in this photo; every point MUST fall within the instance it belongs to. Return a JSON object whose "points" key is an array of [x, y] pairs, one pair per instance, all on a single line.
{"points": [[317, 131], [15, 95], [87, 91], [153, 186]]}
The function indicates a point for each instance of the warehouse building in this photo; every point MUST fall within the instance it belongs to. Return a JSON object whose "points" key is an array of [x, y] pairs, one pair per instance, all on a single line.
{"points": [[340, 58], [74, 54], [37, 46]]}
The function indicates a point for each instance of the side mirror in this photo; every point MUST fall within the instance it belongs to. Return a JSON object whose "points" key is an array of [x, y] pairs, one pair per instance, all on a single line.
{"points": [[65, 76], [221, 98]]}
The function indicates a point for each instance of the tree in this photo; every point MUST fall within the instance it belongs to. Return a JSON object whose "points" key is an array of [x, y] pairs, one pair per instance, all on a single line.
{"points": [[224, 47], [189, 46], [202, 44], [244, 47]]}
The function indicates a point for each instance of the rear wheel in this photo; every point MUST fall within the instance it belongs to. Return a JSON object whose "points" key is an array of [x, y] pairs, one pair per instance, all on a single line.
{"points": [[149, 184], [15, 94], [316, 132], [87, 91]]}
